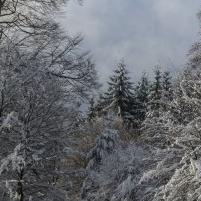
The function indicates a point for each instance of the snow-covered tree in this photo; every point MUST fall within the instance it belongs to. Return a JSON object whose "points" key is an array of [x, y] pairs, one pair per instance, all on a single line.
{"points": [[38, 83], [184, 185], [27, 17], [92, 110], [167, 92], [114, 169], [119, 96], [105, 145], [155, 95], [140, 101], [32, 152], [167, 86], [154, 126], [186, 111]]}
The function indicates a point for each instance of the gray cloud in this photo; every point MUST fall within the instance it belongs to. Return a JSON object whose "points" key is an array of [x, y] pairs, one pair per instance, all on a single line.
{"points": [[143, 32]]}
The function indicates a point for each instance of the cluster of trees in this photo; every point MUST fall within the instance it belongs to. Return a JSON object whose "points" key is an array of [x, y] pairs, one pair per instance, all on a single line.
{"points": [[163, 162], [51, 152], [134, 103], [42, 75]]}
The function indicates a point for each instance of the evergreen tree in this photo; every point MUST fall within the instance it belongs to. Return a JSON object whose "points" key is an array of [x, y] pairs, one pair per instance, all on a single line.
{"points": [[119, 96], [141, 100], [100, 105], [92, 110], [155, 130], [167, 95], [104, 147], [167, 85], [155, 95]]}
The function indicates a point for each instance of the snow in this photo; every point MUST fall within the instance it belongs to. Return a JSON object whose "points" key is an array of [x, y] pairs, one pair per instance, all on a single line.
{"points": [[16, 161], [9, 120]]}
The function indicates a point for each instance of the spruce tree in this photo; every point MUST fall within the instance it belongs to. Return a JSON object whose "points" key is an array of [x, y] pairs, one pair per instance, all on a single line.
{"points": [[155, 95], [167, 95], [155, 126], [119, 97], [92, 110], [100, 105], [141, 100]]}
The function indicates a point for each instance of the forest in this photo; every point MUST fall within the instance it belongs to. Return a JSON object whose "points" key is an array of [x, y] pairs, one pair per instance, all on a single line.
{"points": [[139, 140]]}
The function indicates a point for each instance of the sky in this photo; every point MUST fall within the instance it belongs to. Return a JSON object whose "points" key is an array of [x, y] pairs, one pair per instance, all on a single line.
{"points": [[145, 33]]}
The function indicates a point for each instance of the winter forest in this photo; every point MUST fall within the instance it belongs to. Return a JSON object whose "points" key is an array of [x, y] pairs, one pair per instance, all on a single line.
{"points": [[138, 140]]}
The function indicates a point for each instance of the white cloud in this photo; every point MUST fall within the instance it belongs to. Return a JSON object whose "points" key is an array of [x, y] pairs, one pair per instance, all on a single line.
{"points": [[144, 32]]}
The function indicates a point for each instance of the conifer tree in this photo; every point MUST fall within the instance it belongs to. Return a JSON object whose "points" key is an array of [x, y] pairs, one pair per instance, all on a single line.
{"points": [[119, 96], [167, 94], [154, 127], [141, 100], [100, 105], [92, 111], [167, 85], [155, 95]]}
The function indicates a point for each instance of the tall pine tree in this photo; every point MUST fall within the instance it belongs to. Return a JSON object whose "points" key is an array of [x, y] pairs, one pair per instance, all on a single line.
{"points": [[155, 95], [92, 111], [141, 101], [119, 97], [167, 93], [156, 124]]}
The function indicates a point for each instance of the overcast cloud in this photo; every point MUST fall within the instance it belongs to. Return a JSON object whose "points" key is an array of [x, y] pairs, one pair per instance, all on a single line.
{"points": [[143, 32]]}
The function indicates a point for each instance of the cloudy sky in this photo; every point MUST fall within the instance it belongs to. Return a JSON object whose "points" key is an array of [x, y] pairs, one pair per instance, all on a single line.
{"points": [[143, 32]]}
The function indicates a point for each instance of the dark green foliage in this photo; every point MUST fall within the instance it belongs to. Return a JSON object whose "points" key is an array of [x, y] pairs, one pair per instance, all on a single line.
{"points": [[155, 95], [118, 99], [141, 101], [167, 90], [92, 110]]}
